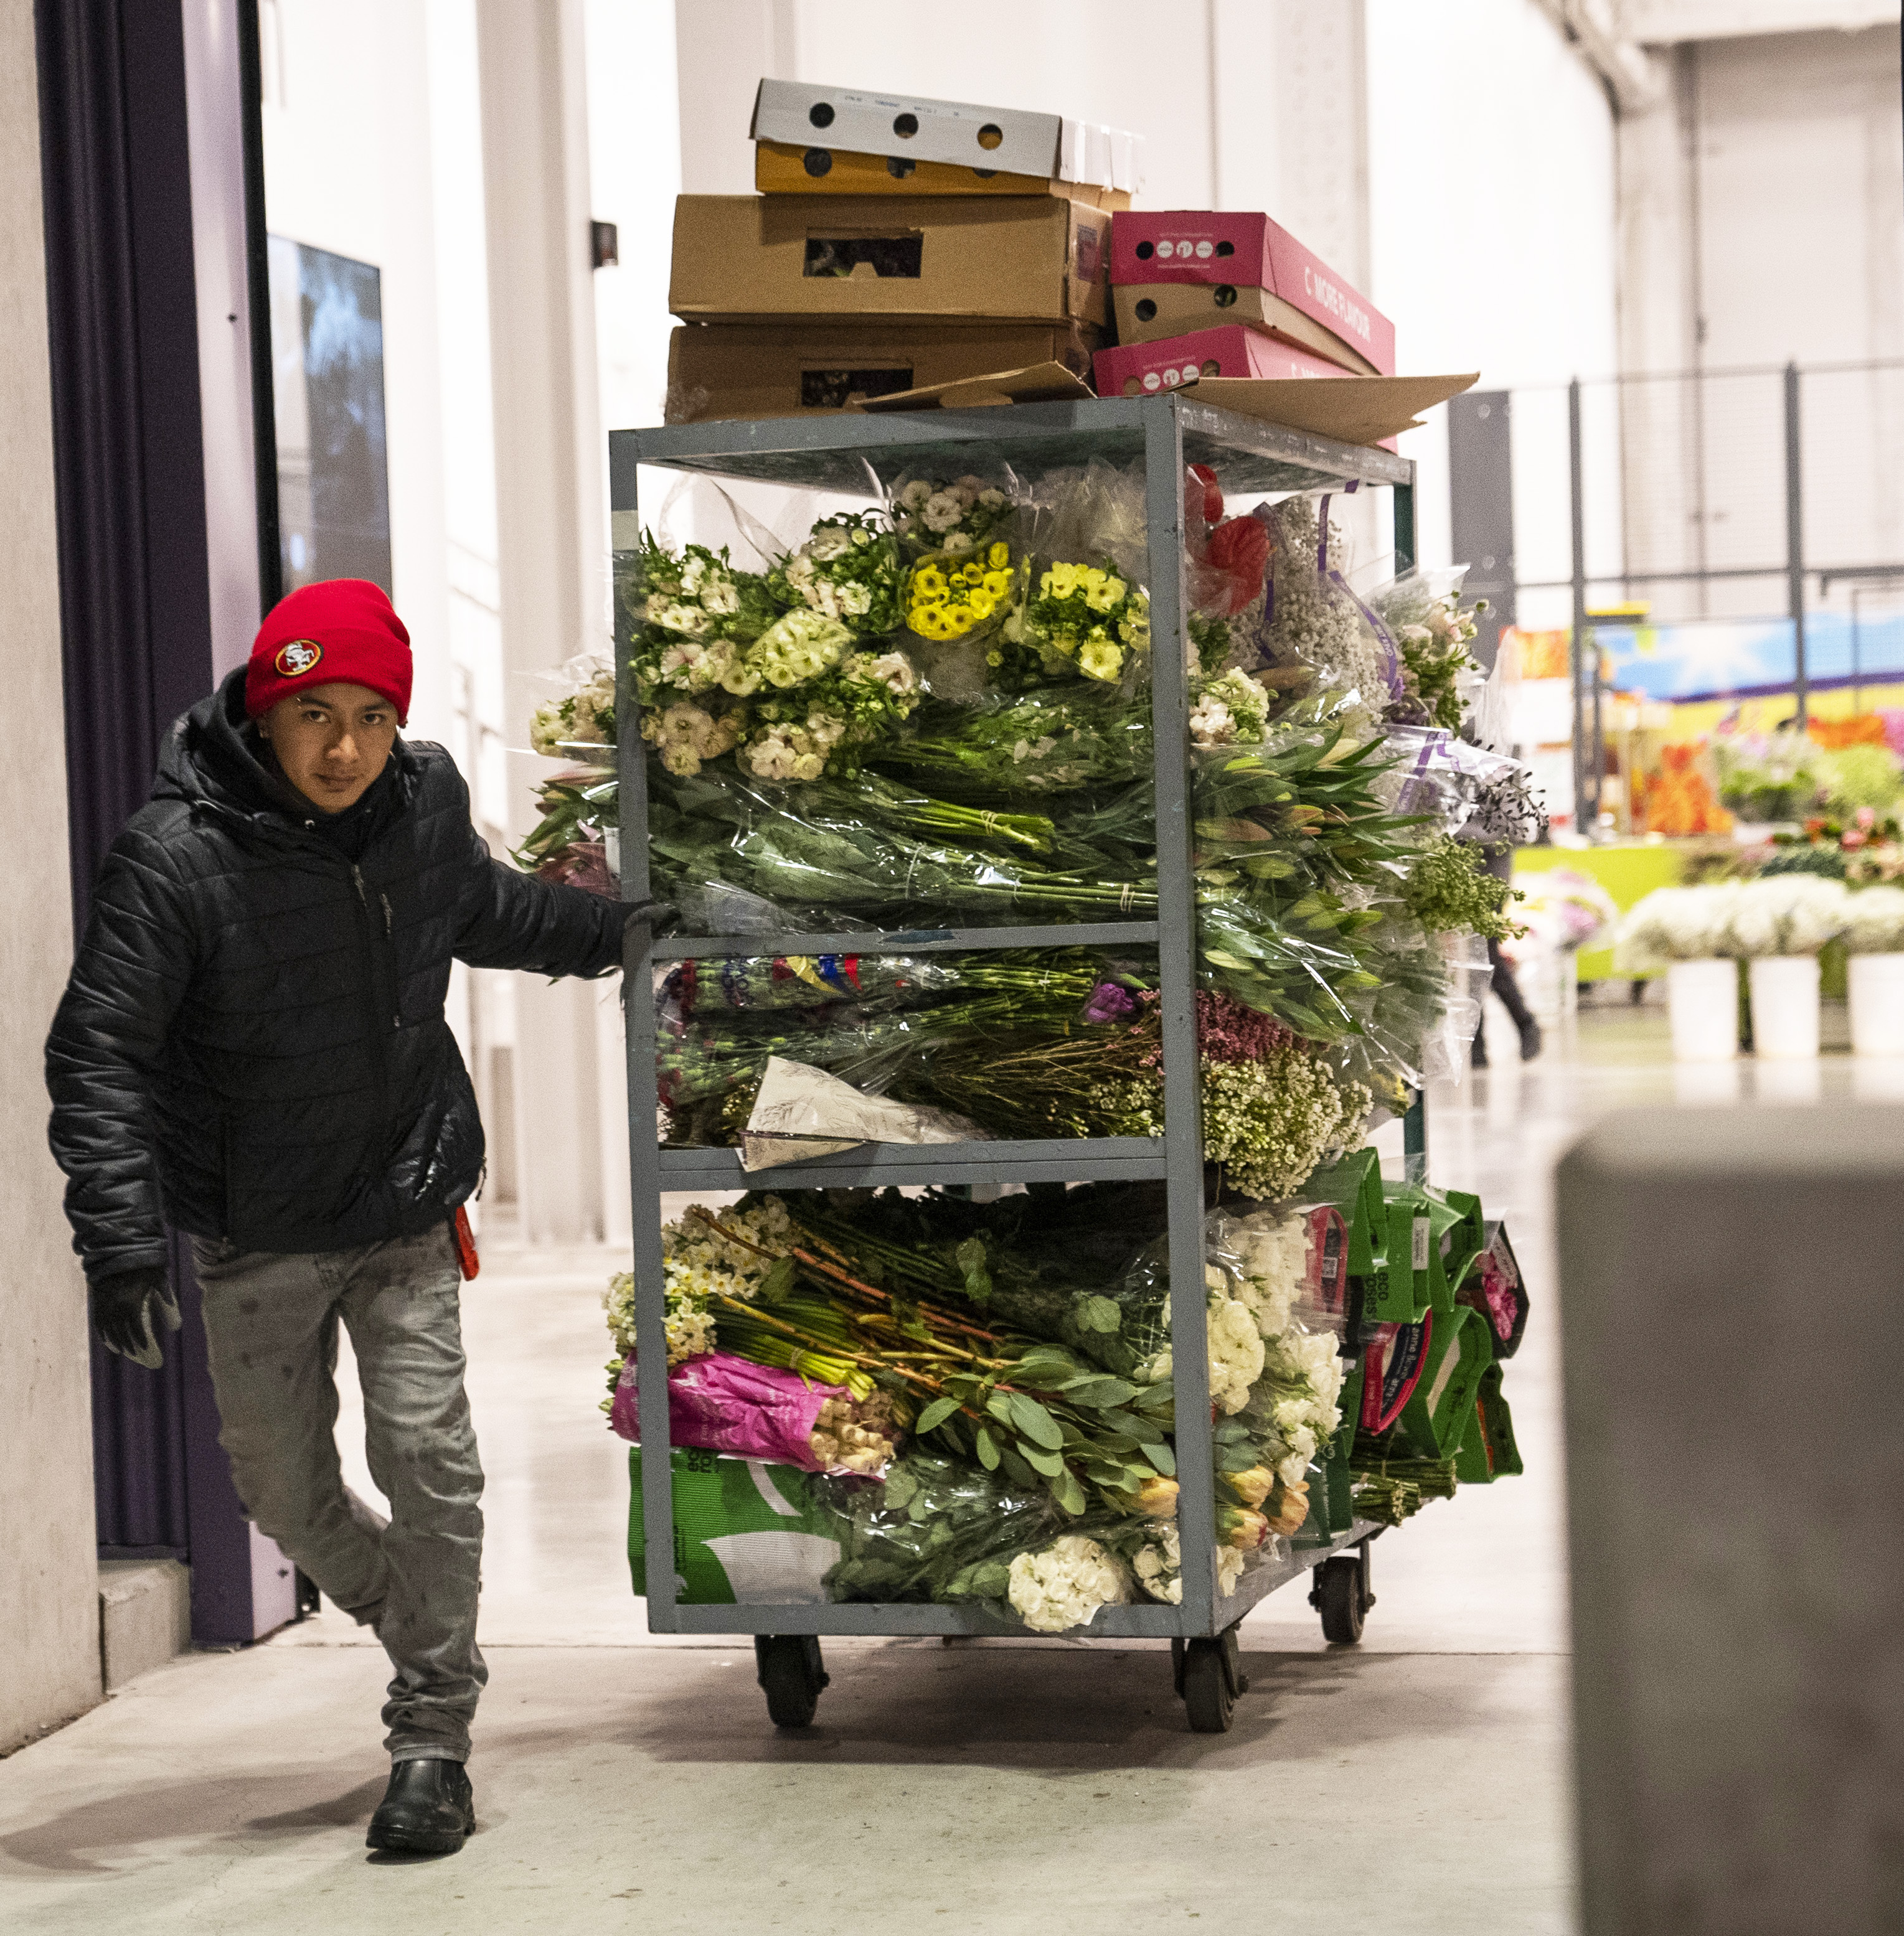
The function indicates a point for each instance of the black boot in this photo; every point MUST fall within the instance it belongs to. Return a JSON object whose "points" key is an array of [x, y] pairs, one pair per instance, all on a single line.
{"points": [[1530, 1039], [428, 1808]]}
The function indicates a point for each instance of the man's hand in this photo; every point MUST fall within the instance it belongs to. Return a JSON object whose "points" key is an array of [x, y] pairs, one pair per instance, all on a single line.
{"points": [[124, 1307], [652, 912]]}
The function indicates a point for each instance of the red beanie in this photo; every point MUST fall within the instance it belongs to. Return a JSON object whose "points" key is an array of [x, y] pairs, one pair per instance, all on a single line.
{"points": [[339, 628]]}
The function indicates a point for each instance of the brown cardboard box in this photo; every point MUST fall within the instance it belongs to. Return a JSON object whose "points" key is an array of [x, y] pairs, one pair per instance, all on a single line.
{"points": [[721, 370], [1152, 312], [782, 168], [802, 259]]}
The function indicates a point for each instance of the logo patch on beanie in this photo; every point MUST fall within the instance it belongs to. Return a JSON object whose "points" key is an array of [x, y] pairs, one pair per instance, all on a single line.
{"points": [[297, 658]]}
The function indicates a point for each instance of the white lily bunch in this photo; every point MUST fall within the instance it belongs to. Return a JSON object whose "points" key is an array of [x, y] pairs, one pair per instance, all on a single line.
{"points": [[1874, 920]]}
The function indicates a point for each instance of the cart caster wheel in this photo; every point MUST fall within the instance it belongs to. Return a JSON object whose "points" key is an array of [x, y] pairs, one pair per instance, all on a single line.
{"points": [[1209, 1676], [1341, 1595], [791, 1673]]}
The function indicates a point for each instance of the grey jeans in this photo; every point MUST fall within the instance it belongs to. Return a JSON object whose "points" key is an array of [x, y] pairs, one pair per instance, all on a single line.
{"points": [[271, 1325]]}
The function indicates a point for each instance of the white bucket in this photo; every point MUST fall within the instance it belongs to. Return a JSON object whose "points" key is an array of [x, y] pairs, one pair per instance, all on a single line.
{"points": [[1703, 998], [1877, 991], [1785, 1007]]}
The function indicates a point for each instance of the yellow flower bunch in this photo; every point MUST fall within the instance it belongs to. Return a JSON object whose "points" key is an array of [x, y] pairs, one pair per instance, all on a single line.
{"points": [[947, 603]]}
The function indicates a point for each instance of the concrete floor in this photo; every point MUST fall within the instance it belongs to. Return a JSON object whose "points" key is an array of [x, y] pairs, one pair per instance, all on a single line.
{"points": [[1419, 1784]]}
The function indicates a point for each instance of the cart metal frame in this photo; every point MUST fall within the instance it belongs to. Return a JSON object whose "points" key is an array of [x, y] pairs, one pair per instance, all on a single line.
{"points": [[854, 453]]}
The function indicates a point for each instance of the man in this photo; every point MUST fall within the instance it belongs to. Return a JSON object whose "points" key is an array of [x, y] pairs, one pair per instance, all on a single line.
{"points": [[253, 1051]]}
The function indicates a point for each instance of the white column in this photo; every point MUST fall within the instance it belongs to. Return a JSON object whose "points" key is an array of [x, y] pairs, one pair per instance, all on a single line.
{"points": [[551, 526], [49, 1579]]}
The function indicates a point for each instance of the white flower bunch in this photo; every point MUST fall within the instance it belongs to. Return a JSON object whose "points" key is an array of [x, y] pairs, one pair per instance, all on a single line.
{"points": [[848, 570], [1316, 620], [1271, 1252], [1303, 1380], [690, 595], [1788, 914], [784, 752], [686, 736], [1271, 1122], [698, 1264], [798, 647], [1678, 924], [1236, 1345], [583, 717], [694, 665], [1157, 1564], [1065, 1583], [1874, 920], [955, 517], [1231, 707]]}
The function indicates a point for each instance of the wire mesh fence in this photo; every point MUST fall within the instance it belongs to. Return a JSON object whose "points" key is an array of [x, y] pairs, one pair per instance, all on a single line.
{"points": [[1746, 526]]}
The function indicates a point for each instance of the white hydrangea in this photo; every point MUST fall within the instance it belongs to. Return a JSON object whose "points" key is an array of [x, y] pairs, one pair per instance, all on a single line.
{"points": [[1064, 1584], [1789, 914], [1874, 920]]}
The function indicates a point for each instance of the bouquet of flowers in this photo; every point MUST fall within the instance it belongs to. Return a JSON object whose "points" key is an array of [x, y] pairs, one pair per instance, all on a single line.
{"points": [[1083, 620], [1766, 779], [1432, 631], [847, 570], [1229, 707], [1054, 741], [1448, 891], [930, 514], [1874, 920], [1316, 623], [1787, 914], [582, 721], [949, 596], [1678, 924]]}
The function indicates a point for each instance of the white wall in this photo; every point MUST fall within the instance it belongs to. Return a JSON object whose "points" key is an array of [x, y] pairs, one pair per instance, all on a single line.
{"points": [[1491, 181], [348, 168], [49, 1579]]}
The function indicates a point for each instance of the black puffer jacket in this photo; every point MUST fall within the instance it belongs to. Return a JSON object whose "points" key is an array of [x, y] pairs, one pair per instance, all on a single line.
{"points": [[253, 1044]]}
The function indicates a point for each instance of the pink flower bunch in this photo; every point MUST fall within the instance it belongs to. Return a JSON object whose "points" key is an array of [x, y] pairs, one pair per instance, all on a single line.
{"points": [[1226, 1031]]}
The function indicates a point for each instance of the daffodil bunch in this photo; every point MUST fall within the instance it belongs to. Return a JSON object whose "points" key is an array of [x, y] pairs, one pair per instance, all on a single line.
{"points": [[1085, 621], [946, 598], [850, 570], [931, 514], [700, 1262]]}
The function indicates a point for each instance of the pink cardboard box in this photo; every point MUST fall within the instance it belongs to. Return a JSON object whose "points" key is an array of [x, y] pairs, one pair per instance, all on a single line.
{"points": [[1143, 369], [1205, 246]]}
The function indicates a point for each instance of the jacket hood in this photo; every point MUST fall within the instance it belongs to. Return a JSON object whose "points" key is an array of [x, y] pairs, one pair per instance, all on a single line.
{"points": [[211, 760]]}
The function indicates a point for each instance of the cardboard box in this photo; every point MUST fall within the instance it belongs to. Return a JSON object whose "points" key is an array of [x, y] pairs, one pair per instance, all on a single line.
{"points": [[802, 259], [1151, 312], [1142, 369], [719, 370], [781, 168], [960, 133], [1203, 246]]}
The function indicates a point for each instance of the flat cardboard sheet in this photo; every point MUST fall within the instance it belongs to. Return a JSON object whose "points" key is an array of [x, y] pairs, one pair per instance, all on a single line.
{"points": [[1351, 409], [782, 168], [719, 371], [878, 258], [1041, 383]]}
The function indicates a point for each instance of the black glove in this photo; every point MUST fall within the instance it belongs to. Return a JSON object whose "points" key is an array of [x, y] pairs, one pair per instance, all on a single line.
{"points": [[653, 912], [124, 1307]]}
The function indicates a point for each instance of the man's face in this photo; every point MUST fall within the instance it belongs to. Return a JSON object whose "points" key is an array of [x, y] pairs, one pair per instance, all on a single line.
{"points": [[332, 741]]}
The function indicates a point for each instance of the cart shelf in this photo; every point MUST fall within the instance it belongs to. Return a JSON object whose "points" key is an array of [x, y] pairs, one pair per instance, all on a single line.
{"points": [[861, 455]]}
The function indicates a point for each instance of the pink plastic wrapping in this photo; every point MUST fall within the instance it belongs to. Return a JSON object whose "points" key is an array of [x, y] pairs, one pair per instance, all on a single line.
{"points": [[720, 1403]]}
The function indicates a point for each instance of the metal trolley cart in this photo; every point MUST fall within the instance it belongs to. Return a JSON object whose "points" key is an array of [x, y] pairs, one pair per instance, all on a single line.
{"points": [[854, 454]]}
